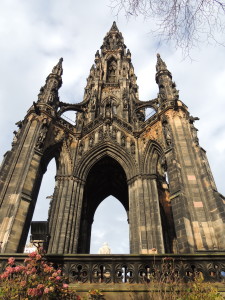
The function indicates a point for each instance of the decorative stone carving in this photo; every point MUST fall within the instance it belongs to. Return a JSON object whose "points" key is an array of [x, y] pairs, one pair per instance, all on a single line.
{"points": [[91, 141], [42, 136], [167, 134], [194, 130], [132, 148], [123, 140], [100, 134], [81, 148], [114, 132]]}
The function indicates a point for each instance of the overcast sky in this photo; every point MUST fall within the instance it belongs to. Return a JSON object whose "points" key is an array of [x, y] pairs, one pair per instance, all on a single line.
{"points": [[35, 34]]}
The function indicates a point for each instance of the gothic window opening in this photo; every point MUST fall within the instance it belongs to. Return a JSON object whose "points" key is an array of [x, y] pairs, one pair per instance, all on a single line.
{"points": [[45, 196], [69, 116], [111, 228], [149, 112]]}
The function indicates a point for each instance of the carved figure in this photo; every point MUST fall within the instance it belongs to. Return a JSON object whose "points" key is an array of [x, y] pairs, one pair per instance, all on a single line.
{"points": [[91, 141], [132, 148], [167, 135], [123, 141], [112, 71], [81, 148], [41, 138], [194, 130]]}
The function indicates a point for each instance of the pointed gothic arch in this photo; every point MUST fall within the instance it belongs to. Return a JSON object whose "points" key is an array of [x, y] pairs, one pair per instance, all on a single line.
{"points": [[105, 177], [106, 149]]}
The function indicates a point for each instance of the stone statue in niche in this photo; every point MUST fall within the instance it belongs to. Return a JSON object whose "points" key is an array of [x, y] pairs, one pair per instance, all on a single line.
{"points": [[93, 104], [91, 141], [81, 149], [53, 96], [114, 133], [125, 102], [132, 148], [123, 141], [112, 71], [108, 108], [124, 73], [167, 134], [41, 138], [100, 134]]}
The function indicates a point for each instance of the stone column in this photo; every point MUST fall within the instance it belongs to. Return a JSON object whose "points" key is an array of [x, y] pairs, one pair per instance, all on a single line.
{"points": [[66, 217], [144, 216]]}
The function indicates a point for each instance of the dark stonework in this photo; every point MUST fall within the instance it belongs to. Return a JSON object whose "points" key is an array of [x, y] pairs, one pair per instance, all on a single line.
{"points": [[154, 167]]}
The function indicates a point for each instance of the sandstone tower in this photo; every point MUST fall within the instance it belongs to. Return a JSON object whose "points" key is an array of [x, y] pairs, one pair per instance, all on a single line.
{"points": [[153, 165]]}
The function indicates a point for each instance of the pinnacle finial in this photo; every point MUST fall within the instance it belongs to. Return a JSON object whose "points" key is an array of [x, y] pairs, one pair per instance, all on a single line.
{"points": [[58, 68], [114, 27], [160, 65]]}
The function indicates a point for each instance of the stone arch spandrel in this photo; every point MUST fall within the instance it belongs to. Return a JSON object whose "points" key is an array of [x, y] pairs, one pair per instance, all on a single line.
{"points": [[106, 149]]}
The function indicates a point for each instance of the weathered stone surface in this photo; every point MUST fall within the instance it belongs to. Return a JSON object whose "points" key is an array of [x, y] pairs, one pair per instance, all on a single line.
{"points": [[154, 166]]}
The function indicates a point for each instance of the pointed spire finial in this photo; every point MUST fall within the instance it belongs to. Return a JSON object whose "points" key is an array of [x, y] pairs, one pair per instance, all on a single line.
{"points": [[160, 65], [114, 27], [58, 70]]}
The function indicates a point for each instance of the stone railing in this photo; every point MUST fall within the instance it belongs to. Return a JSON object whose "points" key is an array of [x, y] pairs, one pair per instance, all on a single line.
{"points": [[132, 268]]}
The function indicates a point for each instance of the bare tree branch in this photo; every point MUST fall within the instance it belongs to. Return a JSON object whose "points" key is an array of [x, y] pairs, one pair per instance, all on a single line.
{"points": [[184, 22]]}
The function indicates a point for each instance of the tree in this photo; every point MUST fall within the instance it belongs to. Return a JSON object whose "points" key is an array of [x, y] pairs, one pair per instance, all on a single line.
{"points": [[184, 22]]}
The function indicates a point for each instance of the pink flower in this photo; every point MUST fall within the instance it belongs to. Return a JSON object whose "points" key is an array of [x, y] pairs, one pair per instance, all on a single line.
{"points": [[23, 283], [11, 261], [4, 275], [33, 270], [27, 259], [32, 292], [65, 286], [57, 278], [32, 254], [40, 286], [46, 290], [38, 257], [9, 270], [18, 269]]}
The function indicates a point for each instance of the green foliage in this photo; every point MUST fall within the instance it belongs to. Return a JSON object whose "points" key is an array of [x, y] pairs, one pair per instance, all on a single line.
{"points": [[165, 283]]}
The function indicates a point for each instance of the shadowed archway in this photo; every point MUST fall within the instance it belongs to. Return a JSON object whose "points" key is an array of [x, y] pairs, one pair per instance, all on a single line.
{"points": [[105, 178]]}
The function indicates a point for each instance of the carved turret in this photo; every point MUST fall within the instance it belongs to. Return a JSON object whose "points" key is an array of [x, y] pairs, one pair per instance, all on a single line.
{"points": [[167, 88], [49, 92]]}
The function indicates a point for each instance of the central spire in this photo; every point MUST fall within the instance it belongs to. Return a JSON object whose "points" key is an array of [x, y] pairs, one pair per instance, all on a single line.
{"points": [[111, 90], [113, 40]]}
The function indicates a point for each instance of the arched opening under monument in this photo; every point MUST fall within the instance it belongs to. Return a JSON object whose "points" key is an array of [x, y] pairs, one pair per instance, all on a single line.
{"points": [[109, 227], [44, 197], [105, 178]]}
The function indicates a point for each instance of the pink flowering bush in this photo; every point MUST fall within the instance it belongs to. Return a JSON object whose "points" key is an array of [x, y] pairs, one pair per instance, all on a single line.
{"points": [[36, 279]]}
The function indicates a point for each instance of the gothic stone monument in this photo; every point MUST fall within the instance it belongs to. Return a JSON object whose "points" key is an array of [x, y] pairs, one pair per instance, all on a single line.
{"points": [[155, 167]]}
